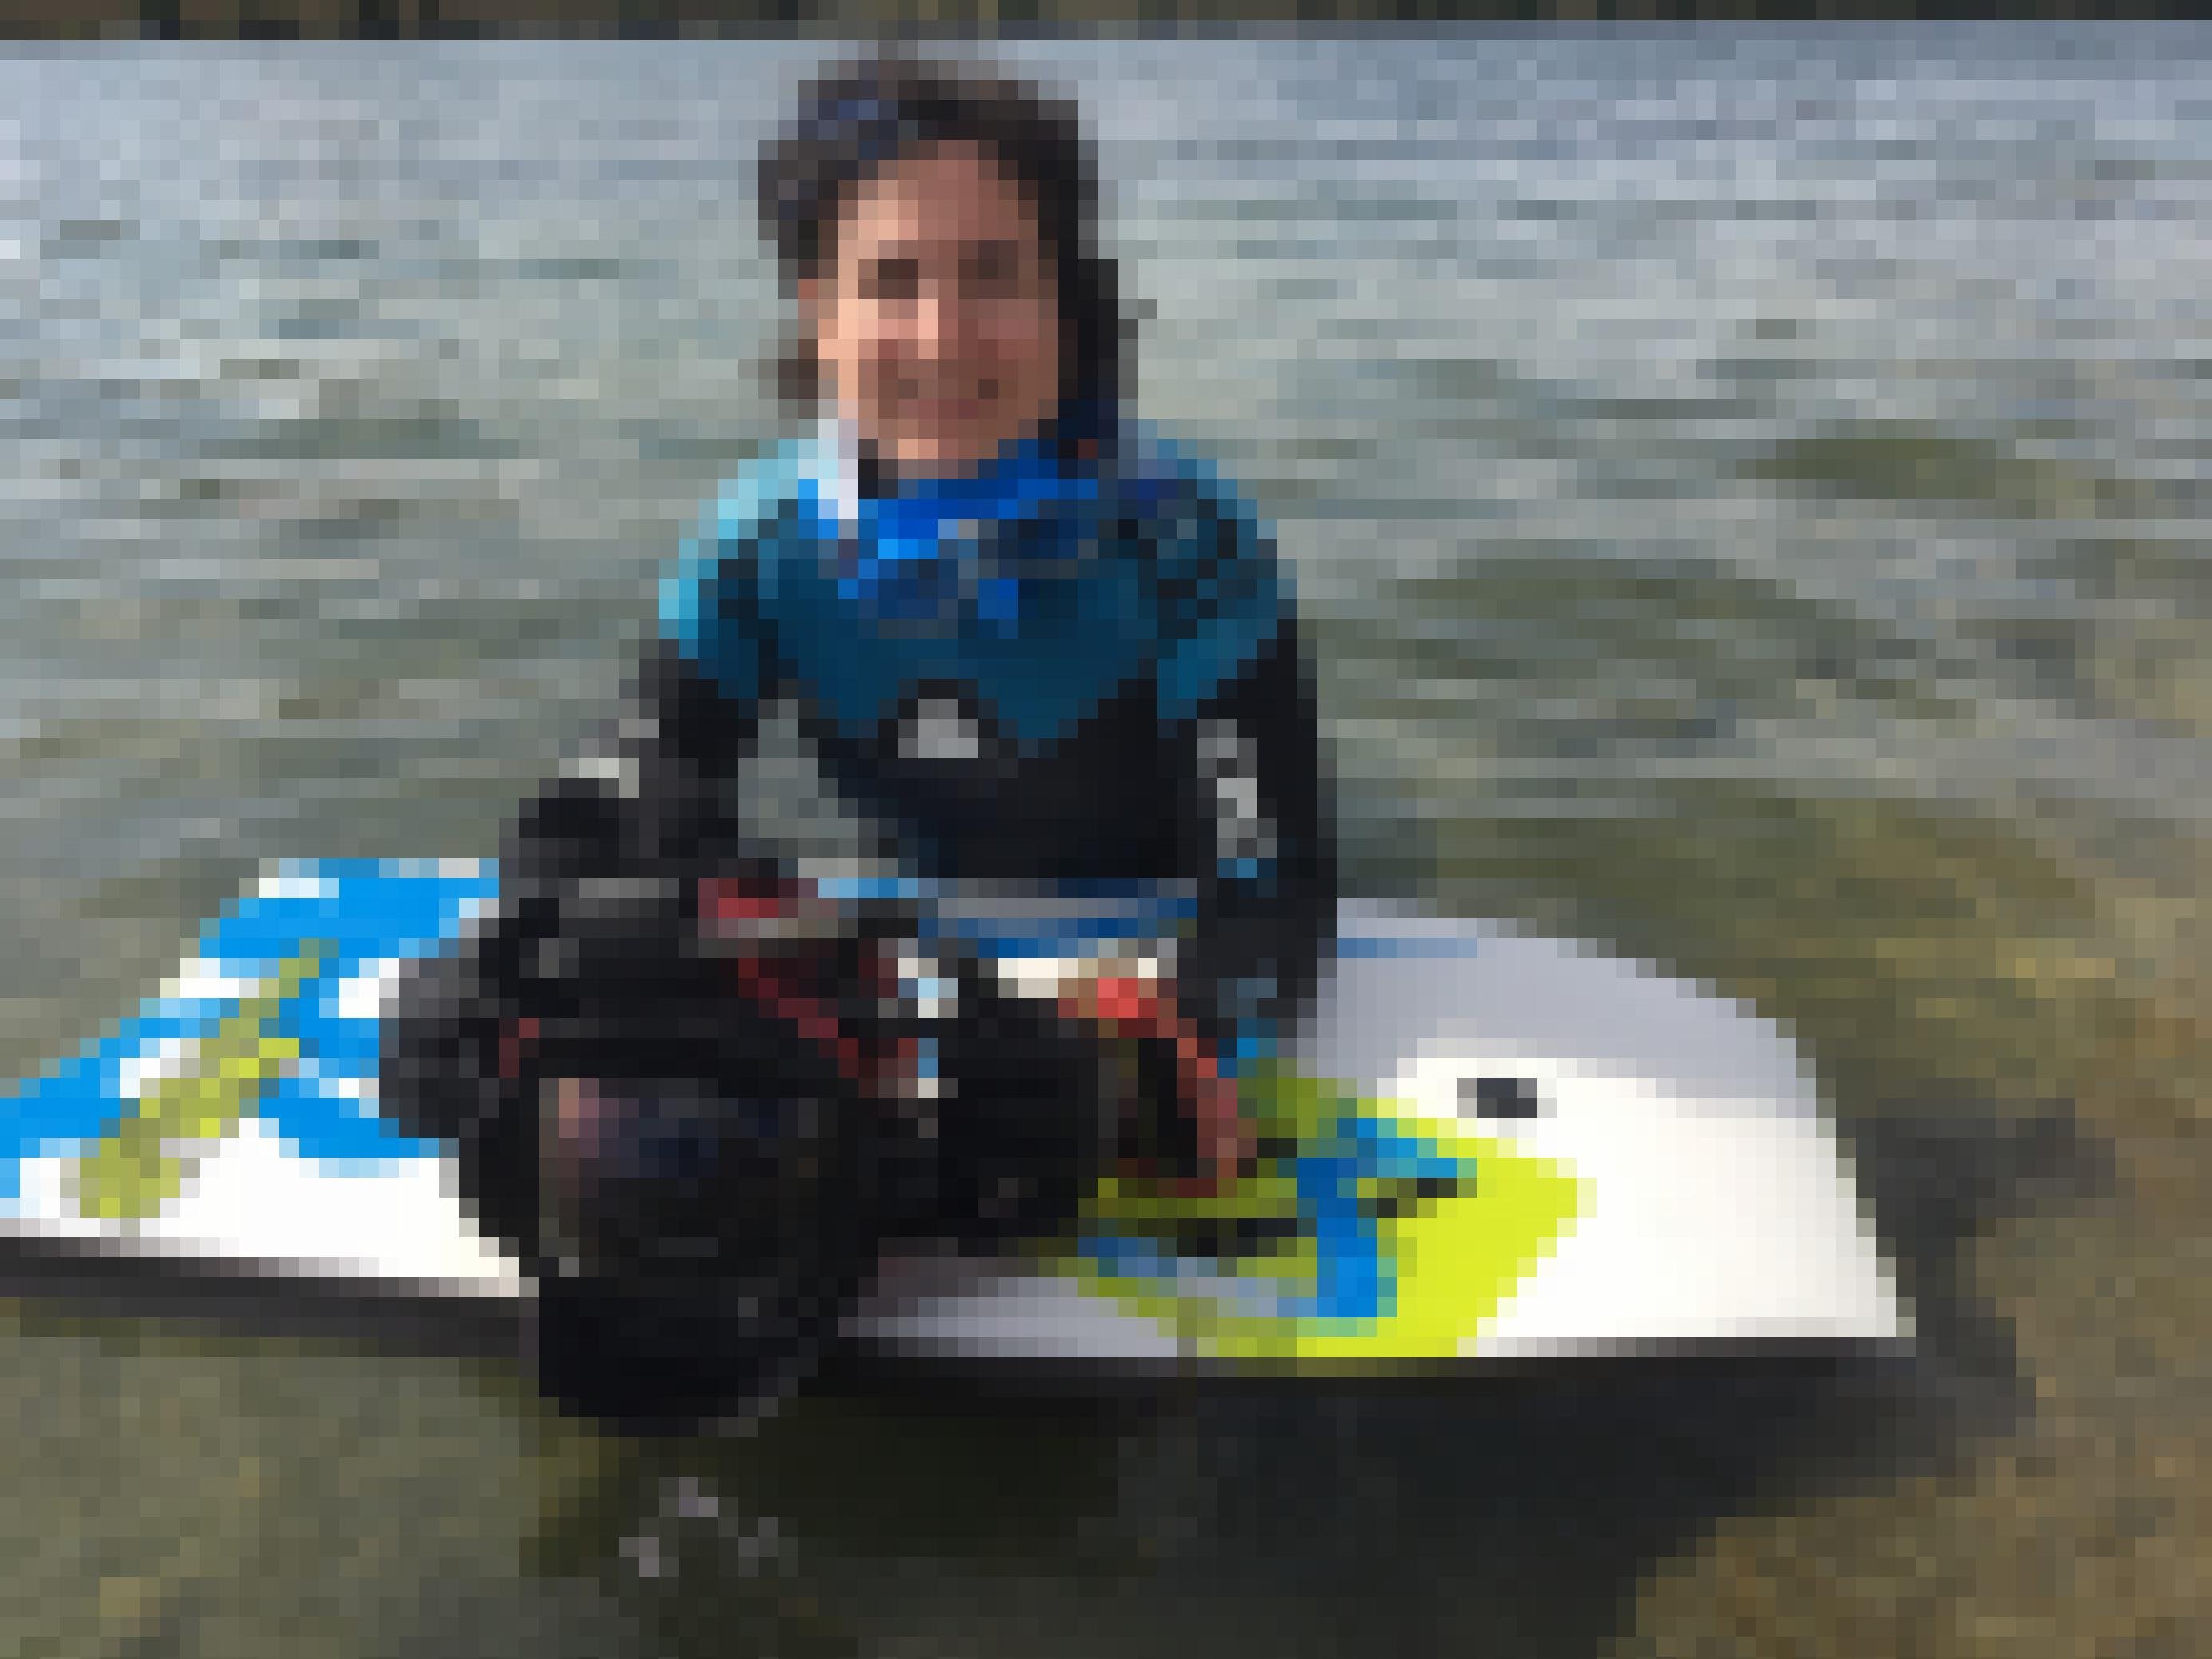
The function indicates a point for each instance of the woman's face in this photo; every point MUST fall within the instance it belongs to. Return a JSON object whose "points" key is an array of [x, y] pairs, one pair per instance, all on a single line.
{"points": [[937, 326]]}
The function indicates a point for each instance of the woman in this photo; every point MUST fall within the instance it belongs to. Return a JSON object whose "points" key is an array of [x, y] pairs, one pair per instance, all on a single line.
{"points": [[1029, 645]]}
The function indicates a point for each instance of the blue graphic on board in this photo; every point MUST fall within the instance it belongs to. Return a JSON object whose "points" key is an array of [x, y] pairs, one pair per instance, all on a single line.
{"points": [[363, 914]]}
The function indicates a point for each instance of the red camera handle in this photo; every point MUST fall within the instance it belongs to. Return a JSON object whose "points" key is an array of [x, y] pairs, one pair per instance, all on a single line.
{"points": [[1139, 1008]]}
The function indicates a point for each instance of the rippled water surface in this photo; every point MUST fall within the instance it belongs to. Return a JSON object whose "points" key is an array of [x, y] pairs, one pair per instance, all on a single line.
{"points": [[1747, 492]]}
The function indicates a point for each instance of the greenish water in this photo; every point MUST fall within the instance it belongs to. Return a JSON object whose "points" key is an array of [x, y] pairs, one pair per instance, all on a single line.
{"points": [[1745, 489]]}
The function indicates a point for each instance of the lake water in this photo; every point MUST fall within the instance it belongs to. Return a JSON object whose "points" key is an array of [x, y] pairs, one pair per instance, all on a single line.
{"points": [[1747, 492]]}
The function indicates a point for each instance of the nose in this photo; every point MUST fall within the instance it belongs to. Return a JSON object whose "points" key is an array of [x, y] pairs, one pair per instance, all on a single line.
{"points": [[944, 321]]}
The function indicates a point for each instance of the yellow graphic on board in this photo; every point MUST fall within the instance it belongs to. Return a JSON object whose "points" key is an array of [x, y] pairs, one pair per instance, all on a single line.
{"points": [[142, 1161], [1433, 1230]]}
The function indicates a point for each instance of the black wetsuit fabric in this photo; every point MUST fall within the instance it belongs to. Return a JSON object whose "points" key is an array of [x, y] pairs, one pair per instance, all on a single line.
{"points": [[1083, 666]]}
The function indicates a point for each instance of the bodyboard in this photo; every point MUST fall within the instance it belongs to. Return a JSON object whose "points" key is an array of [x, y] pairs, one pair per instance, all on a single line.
{"points": [[1483, 1146]]}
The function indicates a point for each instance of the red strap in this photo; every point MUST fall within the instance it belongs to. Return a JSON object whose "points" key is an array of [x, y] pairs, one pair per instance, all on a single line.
{"points": [[1135, 1007], [735, 898], [516, 1038], [771, 984], [776, 986]]}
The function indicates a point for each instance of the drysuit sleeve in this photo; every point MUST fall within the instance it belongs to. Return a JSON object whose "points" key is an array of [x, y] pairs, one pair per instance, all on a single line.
{"points": [[603, 848], [1257, 816]]}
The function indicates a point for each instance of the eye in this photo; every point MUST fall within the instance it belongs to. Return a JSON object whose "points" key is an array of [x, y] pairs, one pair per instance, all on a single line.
{"points": [[995, 267], [889, 279]]}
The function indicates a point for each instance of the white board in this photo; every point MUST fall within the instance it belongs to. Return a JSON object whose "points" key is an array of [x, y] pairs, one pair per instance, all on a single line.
{"points": [[1717, 1207]]}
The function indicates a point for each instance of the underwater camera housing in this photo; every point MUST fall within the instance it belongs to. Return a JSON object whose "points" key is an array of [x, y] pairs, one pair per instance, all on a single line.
{"points": [[731, 1128]]}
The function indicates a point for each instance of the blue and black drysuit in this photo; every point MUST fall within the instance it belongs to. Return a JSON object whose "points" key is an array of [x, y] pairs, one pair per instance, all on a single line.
{"points": [[1080, 668]]}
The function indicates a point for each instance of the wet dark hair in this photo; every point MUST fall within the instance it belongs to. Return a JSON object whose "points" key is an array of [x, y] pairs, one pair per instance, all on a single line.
{"points": [[858, 117]]}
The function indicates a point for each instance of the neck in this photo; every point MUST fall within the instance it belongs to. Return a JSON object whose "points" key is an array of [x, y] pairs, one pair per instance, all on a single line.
{"points": [[877, 474]]}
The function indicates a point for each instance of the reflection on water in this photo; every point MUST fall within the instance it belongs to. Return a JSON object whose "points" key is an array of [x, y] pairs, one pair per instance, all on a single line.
{"points": [[1745, 491]]}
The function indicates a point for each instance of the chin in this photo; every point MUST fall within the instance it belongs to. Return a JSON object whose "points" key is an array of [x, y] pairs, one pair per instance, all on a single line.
{"points": [[948, 447], [945, 454]]}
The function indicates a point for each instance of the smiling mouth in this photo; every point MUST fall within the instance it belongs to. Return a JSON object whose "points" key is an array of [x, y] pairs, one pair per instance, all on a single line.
{"points": [[953, 409]]}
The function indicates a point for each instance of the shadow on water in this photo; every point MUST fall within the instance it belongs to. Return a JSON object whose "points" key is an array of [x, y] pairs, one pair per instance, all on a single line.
{"points": [[1935, 1176], [1521, 1509]]}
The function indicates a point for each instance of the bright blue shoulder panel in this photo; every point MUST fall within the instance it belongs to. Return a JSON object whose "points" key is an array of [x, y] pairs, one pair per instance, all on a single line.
{"points": [[1218, 558], [715, 600]]}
